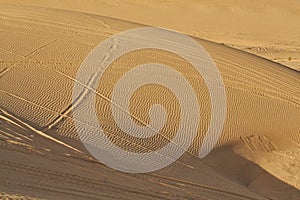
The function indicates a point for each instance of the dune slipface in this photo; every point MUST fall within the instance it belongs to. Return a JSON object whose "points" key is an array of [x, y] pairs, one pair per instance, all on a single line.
{"points": [[42, 154]]}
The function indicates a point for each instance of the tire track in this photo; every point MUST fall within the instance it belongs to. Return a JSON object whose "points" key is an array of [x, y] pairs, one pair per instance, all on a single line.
{"points": [[42, 107], [79, 193], [181, 163], [12, 119], [84, 92], [11, 196], [69, 109], [269, 90], [87, 89], [18, 134], [70, 179], [24, 57], [206, 187], [186, 165], [61, 28], [244, 70]]}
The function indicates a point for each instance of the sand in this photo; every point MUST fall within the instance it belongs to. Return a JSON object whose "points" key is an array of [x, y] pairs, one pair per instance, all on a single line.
{"points": [[266, 28], [257, 155]]}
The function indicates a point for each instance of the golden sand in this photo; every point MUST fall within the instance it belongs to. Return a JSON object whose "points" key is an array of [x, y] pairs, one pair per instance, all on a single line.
{"points": [[257, 155]]}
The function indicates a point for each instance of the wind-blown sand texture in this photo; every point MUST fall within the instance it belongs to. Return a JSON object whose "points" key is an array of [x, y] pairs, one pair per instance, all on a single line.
{"points": [[268, 28], [257, 156]]}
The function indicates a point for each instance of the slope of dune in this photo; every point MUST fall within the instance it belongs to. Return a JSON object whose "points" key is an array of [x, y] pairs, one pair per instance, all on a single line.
{"points": [[268, 28], [256, 157]]}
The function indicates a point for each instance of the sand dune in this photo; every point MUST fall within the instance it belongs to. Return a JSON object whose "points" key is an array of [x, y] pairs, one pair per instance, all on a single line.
{"points": [[268, 28], [256, 157]]}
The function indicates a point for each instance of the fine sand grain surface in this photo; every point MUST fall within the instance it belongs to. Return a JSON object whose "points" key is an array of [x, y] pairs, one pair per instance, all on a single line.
{"points": [[268, 28], [41, 157]]}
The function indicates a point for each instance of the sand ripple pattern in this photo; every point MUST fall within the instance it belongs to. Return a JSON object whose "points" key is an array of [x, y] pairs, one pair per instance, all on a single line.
{"points": [[112, 150]]}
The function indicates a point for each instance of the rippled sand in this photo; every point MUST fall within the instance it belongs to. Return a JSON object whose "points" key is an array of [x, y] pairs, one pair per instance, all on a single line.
{"points": [[257, 156], [268, 28]]}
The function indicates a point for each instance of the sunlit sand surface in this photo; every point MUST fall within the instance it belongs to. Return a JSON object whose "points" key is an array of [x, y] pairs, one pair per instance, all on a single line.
{"points": [[256, 157], [268, 28]]}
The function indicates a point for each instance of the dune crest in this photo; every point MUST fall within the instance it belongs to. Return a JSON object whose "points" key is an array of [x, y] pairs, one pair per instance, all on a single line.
{"points": [[42, 156]]}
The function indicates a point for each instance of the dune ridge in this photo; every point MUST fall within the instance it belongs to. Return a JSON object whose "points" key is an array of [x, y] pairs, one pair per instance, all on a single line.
{"points": [[37, 75], [268, 28]]}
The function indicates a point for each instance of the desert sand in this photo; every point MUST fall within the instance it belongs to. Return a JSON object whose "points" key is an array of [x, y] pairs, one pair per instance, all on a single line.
{"points": [[43, 46], [268, 28]]}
